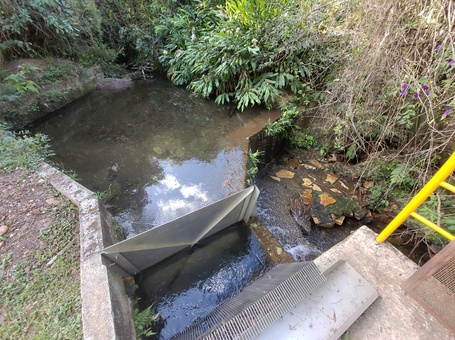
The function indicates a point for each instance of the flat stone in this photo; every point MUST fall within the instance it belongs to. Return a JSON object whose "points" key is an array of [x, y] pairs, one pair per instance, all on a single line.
{"points": [[285, 174], [3, 230]]}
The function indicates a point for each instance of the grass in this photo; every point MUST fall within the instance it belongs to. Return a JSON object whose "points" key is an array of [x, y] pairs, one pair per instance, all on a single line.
{"points": [[21, 150], [41, 293]]}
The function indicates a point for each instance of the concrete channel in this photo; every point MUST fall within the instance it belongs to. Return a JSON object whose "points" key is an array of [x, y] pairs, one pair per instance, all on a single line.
{"points": [[106, 310]]}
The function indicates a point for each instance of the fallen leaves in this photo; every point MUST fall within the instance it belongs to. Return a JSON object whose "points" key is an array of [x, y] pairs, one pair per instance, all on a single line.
{"points": [[285, 174], [326, 199]]}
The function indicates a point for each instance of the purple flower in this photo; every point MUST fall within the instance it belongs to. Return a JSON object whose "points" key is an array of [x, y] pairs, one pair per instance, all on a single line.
{"points": [[446, 112], [376, 95], [427, 92], [416, 95], [451, 62], [424, 87], [404, 86], [404, 93], [438, 48]]}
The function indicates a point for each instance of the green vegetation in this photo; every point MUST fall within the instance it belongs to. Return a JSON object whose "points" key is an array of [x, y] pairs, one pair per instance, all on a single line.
{"points": [[246, 52], [143, 321], [376, 77], [23, 151], [40, 293], [253, 165]]}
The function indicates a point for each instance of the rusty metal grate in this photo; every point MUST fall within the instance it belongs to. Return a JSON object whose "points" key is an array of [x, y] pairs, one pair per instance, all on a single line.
{"points": [[433, 286]]}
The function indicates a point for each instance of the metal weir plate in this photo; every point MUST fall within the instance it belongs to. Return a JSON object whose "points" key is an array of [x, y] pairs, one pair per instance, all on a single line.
{"points": [[148, 248]]}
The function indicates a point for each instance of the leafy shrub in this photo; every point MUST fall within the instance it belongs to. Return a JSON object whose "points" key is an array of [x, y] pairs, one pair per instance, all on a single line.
{"points": [[245, 53]]}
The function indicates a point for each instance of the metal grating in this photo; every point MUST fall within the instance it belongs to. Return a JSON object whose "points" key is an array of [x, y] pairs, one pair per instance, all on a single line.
{"points": [[446, 275], [433, 286], [258, 305]]}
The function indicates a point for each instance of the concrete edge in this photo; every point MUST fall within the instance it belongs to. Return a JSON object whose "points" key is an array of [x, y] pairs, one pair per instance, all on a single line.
{"points": [[106, 310]]}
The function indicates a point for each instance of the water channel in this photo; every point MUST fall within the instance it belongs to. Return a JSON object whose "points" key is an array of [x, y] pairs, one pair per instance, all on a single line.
{"points": [[156, 152]]}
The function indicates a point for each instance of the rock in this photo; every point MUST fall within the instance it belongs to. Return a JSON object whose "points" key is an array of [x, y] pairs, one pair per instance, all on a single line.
{"points": [[113, 84], [279, 250], [368, 218], [293, 163], [326, 199], [300, 212], [331, 178], [285, 174], [53, 201], [332, 158], [338, 220], [307, 182], [359, 214], [323, 223], [3, 230]]}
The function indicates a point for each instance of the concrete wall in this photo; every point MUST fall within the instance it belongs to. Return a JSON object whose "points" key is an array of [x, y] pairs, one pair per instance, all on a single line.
{"points": [[106, 311]]}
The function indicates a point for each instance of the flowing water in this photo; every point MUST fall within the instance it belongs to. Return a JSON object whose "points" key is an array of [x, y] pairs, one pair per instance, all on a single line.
{"points": [[192, 283]]}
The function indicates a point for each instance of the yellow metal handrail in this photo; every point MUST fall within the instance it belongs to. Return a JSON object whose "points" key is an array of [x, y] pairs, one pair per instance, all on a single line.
{"points": [[436, 181]]}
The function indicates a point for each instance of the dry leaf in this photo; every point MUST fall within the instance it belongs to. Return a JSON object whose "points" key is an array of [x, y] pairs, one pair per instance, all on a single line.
{"points": [[344, 185], [335, 190], [285, 174], [326, 199], [315, 163], [317, 188], [331, 178], [307, 182], [309, 167], [307, 198]]}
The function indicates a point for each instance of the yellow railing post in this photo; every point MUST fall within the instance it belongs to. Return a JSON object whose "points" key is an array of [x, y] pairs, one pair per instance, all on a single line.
{"points": [[422, 195]]}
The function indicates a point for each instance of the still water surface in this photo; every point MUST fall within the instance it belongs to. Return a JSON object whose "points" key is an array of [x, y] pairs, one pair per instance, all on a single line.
{"points": [[156, 151]]}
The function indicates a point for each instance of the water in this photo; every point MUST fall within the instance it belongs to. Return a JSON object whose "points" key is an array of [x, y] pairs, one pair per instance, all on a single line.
{"points": [[192, 283], [157, 153], [154, 150]]}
